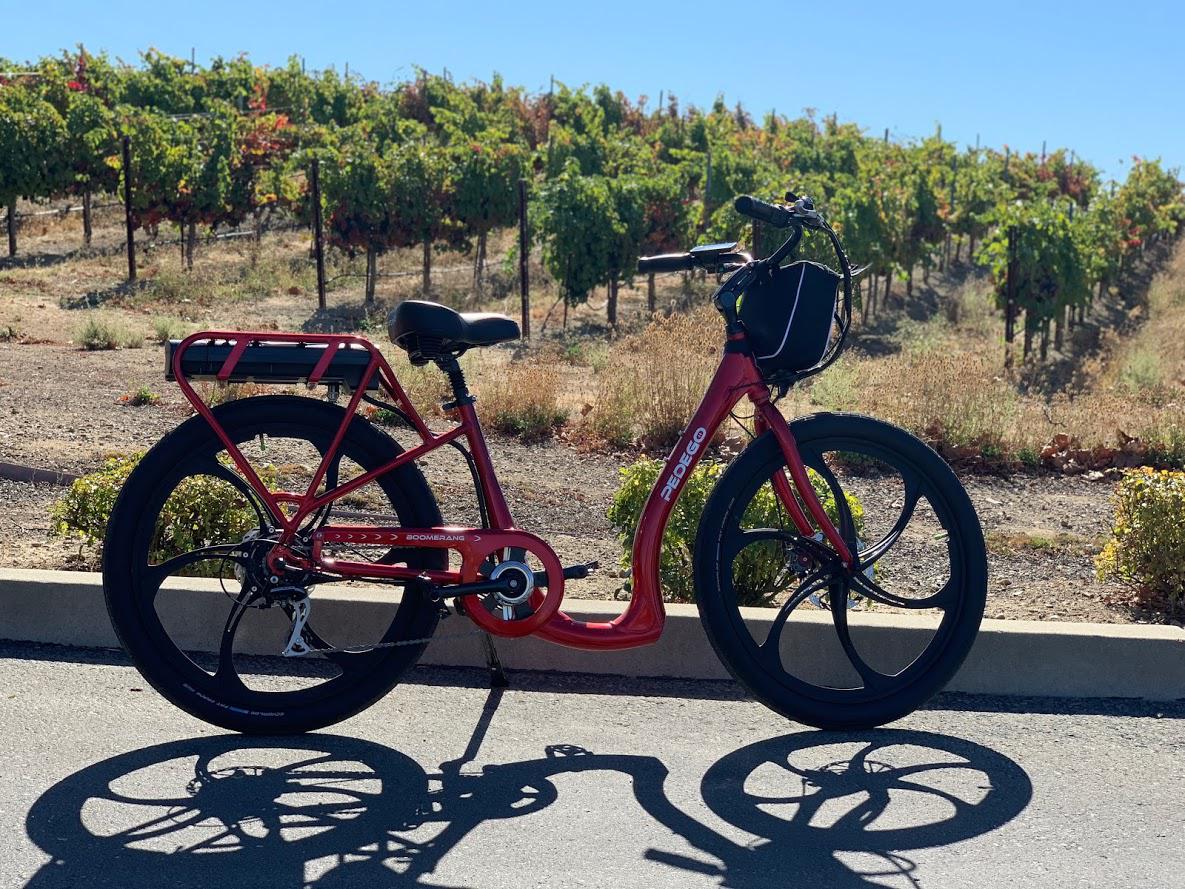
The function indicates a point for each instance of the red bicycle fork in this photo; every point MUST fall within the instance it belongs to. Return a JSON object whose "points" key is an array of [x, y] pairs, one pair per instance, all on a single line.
{"points": [[736, 378]]}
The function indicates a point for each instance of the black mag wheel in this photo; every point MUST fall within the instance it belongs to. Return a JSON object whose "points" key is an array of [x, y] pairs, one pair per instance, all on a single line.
{"points": [[186, 512], [839, 650]]}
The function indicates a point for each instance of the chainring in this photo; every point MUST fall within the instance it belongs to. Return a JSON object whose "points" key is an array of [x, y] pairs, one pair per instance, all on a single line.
{"points": [[506, 615]]}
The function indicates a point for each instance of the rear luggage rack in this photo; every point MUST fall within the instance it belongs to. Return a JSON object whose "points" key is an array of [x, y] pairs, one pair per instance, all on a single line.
{"points": [[283, 363]]}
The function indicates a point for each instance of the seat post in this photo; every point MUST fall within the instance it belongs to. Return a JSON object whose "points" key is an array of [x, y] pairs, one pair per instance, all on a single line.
{"points": [[456, 378]]}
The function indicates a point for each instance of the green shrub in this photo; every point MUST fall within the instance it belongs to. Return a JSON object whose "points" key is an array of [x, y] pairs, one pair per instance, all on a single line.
{"points": [[201, 511], [1029, 457], [99, 332], [1147, 545], [384, 416], [757, 565], [167, 327], [1142, 370], [141, 397]]}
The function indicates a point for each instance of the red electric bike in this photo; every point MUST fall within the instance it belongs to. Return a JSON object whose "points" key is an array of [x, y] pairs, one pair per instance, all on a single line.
{"points": [[832, 518]]}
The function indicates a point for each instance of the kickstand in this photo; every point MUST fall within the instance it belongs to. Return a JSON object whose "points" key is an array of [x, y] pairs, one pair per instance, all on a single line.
{"points": [[497, 674]]}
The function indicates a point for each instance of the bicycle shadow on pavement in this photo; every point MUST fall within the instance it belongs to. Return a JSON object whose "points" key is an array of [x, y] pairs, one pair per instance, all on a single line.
{"points": [[325, 811]]}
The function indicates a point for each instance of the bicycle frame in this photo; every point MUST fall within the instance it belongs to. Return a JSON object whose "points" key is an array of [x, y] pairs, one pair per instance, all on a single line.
{"points": [[736, 378]]}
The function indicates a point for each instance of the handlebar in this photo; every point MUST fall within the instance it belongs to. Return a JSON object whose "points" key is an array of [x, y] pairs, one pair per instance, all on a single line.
{"points": [[797, 213], [801, 211], [763, 211], [667, 262]]}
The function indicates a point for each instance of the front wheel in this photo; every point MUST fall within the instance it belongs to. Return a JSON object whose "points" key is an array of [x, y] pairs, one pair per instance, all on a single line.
{"points": [[838, 649]]}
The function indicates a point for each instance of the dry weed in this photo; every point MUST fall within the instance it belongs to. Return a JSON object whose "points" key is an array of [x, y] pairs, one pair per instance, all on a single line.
{"points": [[651, 383]]}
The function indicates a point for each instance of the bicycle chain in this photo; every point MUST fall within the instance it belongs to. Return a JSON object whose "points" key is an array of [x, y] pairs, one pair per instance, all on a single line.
{"points": [[363, 649]]}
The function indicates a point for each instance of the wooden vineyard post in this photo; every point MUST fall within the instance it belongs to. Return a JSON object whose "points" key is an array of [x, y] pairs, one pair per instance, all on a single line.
{"points": [[190, 244], [318, 233], [11, 221], [954, 173], [524, 244], [87, 229], [707, 191], [756, 251], [127, 207], [371, 274], [1010, 299]]}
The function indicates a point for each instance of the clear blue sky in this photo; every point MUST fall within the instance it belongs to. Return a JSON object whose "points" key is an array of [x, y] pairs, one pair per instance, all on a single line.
{"points": [[1101, 78]]}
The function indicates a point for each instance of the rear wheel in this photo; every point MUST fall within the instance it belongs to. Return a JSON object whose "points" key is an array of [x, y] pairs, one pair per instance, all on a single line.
{"points": [[838, 650], [185, 511]]}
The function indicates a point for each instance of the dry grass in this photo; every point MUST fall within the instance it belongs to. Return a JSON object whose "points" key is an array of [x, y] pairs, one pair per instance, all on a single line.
{"points": [[101, 331], [426, 386], [282, 272], [1153, 358], [523, 400], [650, 383], [1006, 542], [946, 381], [169, 327], [961, 401]]}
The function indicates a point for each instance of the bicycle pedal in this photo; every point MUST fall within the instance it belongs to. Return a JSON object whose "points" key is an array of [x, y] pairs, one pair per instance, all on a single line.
{"points": [[579, 572]]}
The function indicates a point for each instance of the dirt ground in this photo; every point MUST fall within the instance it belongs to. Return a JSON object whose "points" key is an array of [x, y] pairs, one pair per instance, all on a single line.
{"points": [[61, 411]]}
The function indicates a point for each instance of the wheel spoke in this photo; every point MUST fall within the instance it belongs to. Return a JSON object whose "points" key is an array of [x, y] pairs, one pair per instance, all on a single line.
{"points": [[871, 478], [771, 648], [223, 552], [745, 537], [846, 524], [218, 469], [839, 616], [913, 492], [205, 664], [226, 675], [870, 589]]}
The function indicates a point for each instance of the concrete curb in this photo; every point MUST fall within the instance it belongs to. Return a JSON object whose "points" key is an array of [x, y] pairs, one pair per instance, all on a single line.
{"points": [[1009, 657], [17, 473]]}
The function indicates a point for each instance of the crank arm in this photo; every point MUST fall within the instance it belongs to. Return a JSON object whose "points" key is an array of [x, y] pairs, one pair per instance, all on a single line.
{"points": [[572, 572], [470, 589]]}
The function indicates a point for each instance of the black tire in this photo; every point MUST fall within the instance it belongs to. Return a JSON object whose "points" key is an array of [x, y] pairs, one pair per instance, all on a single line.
{"points": [[131, 583], [878, 698]]}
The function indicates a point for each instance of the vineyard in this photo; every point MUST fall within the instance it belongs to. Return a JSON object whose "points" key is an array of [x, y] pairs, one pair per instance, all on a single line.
{"points": [[438, 166], [1018, 312]]}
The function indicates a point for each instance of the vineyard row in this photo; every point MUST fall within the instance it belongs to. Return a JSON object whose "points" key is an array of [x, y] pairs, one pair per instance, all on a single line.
{"points": [[433, 164]]}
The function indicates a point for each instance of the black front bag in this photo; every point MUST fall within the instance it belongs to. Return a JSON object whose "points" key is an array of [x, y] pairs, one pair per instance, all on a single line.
{"points": [[788, 316]]}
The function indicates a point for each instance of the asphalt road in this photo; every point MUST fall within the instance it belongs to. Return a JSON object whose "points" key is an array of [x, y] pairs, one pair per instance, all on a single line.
{"points": [[575, 781]]}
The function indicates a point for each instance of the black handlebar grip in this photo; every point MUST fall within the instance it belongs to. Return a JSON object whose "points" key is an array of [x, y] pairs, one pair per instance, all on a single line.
{"points": [[667, 262], [763, 211]]}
